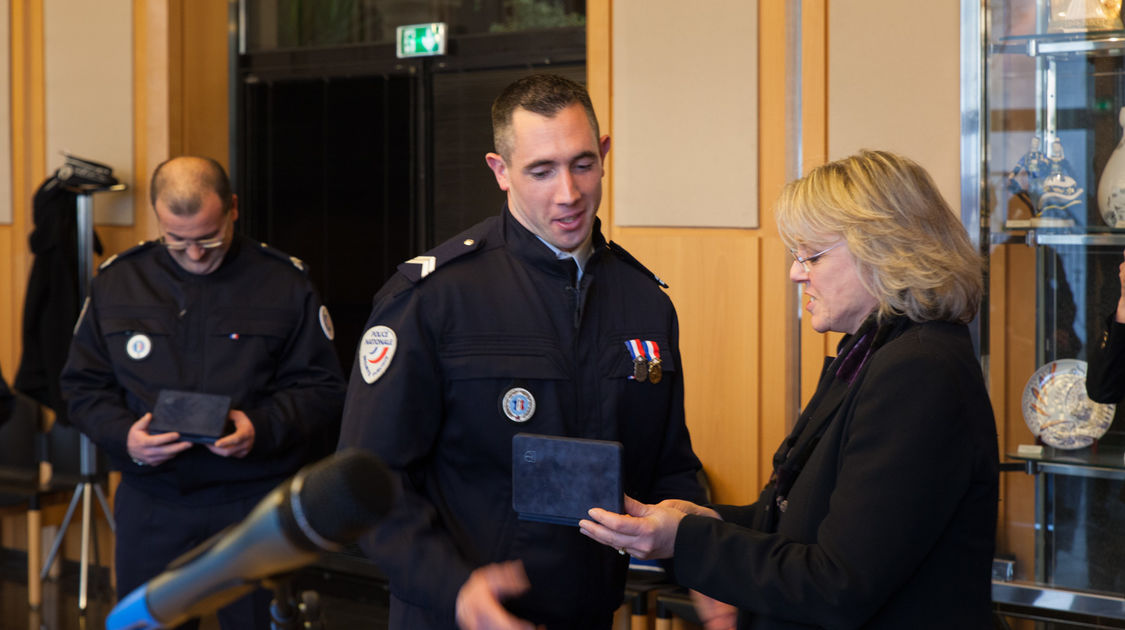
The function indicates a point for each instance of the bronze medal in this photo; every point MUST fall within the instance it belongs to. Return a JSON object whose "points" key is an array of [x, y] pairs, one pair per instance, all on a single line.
{"points": [[640, 369], [655, 371]]}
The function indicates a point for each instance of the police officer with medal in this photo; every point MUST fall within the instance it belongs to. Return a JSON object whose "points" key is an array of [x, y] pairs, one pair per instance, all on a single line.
{"points": [[201, 310], [527, 322]]}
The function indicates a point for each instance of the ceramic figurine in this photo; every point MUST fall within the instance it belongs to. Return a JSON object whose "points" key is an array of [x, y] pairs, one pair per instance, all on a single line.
{"points": [[1033, 167], [1061, 193]]}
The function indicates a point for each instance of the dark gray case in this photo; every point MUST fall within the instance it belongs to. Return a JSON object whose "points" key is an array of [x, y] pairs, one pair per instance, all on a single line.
{"points": [[558, 479], [199, 418]]}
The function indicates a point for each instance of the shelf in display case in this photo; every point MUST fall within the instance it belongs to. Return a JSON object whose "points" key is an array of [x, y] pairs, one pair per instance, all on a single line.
{"points": [[1096, 43], [1029, 600], [1103, 237], [1103, 461]]}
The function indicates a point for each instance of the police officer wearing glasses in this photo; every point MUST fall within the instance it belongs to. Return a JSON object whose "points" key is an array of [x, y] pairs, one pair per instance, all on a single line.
{"points": [[205, 310]]}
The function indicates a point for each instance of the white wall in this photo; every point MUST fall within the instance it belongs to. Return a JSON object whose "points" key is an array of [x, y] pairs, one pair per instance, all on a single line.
{"points": [[894, 83], [685, 113], [89, 92]]}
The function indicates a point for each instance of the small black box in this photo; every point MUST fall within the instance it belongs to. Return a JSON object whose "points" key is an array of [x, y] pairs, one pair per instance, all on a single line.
{"points": [[199, 418], [558, 479]]}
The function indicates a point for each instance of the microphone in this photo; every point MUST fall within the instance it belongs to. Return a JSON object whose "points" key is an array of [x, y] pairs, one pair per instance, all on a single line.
{"points": [[323, 507]]}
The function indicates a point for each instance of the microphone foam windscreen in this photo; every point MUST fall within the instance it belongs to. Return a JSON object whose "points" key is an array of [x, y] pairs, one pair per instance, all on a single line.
{"points": [[345, 494]]}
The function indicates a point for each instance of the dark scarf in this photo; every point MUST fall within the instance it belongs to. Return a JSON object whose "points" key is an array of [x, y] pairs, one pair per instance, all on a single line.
{"points": [[839, 373]]}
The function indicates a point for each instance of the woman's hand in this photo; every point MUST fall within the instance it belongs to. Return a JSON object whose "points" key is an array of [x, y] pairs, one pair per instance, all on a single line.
{"points": [[645, 531]]}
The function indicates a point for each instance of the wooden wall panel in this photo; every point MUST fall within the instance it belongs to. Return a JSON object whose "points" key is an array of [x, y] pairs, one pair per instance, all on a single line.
{"points": [[9, 304], [730, 286], [28, 165], [5, 112], [715, 283], [198, 73], [907, 100], [599, 83], [89, 92], [193, 60], [710, 52], [1012, 341]]}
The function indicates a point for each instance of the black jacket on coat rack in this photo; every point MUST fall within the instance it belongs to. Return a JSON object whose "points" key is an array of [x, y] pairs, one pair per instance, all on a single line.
{"points": [[51, 306]]}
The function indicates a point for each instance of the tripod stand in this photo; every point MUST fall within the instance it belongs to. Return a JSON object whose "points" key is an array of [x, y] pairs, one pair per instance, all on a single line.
{"points": [[88, 486], [292, 609]]}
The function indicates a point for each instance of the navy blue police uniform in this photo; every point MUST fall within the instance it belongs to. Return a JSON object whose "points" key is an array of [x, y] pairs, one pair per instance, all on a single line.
{"points": [[488, 335], [254, 329]]}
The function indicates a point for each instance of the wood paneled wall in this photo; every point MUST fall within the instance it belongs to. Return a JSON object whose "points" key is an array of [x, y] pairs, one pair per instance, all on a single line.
{"points": [[737, 309], [180, 98], [1012, 337]]}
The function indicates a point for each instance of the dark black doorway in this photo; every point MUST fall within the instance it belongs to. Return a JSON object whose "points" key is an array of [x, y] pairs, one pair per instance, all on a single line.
{"points": [[355, 161]]}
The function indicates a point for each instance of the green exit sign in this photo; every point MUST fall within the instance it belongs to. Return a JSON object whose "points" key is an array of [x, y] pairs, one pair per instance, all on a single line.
{"points": [[420, 40]]}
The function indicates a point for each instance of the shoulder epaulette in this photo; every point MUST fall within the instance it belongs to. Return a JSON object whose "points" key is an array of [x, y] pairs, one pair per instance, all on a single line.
{"points": [[471, 240], [280, 255], [620, 252], [136, 249]]}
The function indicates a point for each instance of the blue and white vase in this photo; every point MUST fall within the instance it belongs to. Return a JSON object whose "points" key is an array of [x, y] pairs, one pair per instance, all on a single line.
{"points": [[1111, 186]]}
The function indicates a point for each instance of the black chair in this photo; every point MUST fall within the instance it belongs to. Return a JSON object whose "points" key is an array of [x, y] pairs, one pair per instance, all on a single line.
{"points": [[672, 604], [22, 453], [640, 585]]}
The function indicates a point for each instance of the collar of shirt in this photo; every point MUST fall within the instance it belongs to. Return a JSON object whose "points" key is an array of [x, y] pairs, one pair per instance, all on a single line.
{"points": [[580, 255]]}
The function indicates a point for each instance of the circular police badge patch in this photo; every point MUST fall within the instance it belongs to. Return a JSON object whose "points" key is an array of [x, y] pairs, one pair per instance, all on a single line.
{"points": [[518, 404], [138, 346], [376, 351], [326, 323]]}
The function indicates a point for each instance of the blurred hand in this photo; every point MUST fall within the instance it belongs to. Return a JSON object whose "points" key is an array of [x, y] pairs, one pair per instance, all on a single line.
{"points": [[152, 450], [239, 443], [714, 614], [478, 602], [687, 507]]}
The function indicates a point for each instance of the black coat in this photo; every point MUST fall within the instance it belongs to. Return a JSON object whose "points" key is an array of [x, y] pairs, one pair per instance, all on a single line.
{"points": [[890, 521], [52, 302], [1105, 377]]}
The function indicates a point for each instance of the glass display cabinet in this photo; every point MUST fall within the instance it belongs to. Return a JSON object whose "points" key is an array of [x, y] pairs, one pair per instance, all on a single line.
{"points": [[1043, 192]]}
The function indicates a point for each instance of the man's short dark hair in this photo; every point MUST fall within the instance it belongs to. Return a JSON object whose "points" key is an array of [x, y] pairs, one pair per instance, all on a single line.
{"points": [[543, 94], [186, 201]]}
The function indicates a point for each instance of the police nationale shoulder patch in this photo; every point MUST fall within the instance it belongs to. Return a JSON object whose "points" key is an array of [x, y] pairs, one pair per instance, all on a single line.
{"points": [[375, 352]]}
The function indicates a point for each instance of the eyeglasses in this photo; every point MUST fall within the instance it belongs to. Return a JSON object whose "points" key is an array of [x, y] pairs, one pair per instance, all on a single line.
{"points": [[807, 261], [181, 244]]}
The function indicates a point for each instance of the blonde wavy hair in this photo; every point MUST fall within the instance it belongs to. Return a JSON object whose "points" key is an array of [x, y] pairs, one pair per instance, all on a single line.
{"points": [[909, 248]]}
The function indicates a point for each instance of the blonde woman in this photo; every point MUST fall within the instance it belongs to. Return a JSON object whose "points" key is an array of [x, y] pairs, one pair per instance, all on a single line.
{"points": [[881, 509]]}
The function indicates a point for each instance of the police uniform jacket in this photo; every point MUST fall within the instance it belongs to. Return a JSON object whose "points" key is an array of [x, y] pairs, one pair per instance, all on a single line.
{"points": [[1105, 378], [253, 329], [881, 510], [498, 312]]}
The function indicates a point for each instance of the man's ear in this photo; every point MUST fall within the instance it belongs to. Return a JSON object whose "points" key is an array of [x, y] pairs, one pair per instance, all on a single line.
{"points": [[234, 208], [499, 169]]}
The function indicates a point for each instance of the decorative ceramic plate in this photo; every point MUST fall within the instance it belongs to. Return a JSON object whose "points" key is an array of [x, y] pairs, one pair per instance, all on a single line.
{"points": [[1057, 409]]}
